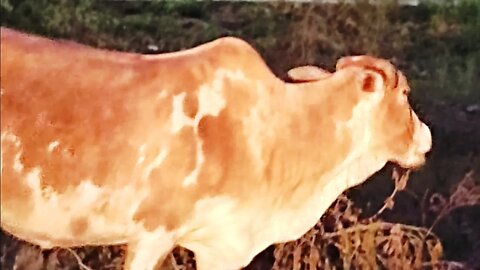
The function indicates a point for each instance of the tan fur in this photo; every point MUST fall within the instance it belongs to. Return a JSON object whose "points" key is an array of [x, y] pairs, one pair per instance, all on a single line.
{"points": [[203, 148]]}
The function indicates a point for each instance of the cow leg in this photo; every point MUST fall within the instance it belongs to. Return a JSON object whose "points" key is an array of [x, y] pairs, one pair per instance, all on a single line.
{"points": [[209, 263], [145, 253], [217, 260]]}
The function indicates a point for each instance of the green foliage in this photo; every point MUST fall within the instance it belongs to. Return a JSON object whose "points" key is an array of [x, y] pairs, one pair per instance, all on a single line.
{"points": [[449, 76], [6, 6], [186, 8]]}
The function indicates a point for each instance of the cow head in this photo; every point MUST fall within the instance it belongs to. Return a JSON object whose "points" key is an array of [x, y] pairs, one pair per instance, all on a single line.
{"points": [[381, 108], [397, 133]]}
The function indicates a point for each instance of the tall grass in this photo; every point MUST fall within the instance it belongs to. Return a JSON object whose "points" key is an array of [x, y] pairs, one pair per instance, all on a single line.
{"points": [[435, 44]]}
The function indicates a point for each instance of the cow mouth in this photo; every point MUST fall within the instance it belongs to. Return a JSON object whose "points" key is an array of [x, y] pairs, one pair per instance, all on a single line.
{"points": [[419, 148], [412, 163]]}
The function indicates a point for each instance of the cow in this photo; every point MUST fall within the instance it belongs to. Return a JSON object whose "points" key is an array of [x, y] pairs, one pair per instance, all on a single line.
{"points": [[204, 148]]}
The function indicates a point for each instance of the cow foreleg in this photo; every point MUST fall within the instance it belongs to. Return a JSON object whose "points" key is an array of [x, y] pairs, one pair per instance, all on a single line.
{"points": [[145, 253]]}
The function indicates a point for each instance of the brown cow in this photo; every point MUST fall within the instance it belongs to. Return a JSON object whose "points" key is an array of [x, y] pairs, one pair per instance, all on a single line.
{"points": [[204, 148]]}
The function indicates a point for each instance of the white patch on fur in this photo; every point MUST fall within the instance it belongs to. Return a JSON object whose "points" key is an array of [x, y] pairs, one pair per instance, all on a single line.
{"points": [[88, 192], [162, 95], [362, 115], [141, 152], [17, 163], [211, 102], [109, 209], [259, 115], [379, 85], [91, 191], [179, 119], [211, 99], [193, 176], [356, 58], [51, 146], [157, 161], [33, 181], [208, 212], [109, 212], [12, 138], [8, 138], [256, 135], [360, 121]]}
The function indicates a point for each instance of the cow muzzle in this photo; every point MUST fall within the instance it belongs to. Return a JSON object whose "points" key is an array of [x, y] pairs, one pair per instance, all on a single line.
{"points": [[423, 139], [421, 145]]}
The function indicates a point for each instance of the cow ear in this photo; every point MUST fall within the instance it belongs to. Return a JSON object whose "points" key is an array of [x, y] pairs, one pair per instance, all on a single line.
{"points": [[307, 74], [378, 73], [371, 81]]}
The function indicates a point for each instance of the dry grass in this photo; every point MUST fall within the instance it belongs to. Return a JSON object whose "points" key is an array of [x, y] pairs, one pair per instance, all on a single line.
{"points": [[343, 240]]}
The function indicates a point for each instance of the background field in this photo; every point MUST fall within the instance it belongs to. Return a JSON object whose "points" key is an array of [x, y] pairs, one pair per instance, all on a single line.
{"points": [[436, 45]]}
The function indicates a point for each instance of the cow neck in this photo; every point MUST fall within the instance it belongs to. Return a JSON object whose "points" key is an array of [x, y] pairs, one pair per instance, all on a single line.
{"points": [[340, 157]]}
